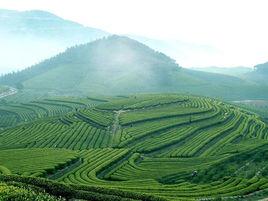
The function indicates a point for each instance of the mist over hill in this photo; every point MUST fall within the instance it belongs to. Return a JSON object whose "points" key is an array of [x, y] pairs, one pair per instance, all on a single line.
{"points": [[119, 65], [34, 35], [262, 68], [112, 65], [29, 37], [181, 51], [259, 74], [238, 71]]}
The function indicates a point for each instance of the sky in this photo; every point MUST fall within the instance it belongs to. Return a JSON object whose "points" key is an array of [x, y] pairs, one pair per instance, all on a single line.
{"points": [[234, 30]]}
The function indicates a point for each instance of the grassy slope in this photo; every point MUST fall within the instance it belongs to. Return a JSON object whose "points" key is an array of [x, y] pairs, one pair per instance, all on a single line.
{"points": [[34, 161]]}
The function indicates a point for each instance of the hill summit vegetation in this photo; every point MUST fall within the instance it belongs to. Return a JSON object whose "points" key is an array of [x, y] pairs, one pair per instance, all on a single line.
{"points": [[119, 65]]}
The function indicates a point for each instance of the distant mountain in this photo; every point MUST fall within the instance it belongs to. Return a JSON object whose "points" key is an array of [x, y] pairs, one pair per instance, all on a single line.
{"points": [[239, 71], [119, 65], [259, 74], [29, 37]]}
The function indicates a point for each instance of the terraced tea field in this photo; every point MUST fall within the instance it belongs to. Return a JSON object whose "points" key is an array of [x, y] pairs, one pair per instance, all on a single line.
{"points": [[170, 146], [14, 113]]}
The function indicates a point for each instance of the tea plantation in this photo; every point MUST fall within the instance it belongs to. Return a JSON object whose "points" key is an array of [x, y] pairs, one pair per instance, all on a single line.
{"points": [[139, 147]]}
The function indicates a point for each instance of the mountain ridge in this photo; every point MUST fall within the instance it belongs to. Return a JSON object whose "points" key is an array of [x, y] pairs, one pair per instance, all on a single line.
{"points": [[36, 35]]}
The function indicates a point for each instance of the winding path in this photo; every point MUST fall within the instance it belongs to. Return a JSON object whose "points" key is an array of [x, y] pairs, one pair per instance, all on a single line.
{"points": [[116, 126]]}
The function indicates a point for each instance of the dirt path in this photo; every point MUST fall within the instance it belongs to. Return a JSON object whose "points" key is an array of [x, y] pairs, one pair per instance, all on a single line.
{"points": [[116, 126], [10, 92]]}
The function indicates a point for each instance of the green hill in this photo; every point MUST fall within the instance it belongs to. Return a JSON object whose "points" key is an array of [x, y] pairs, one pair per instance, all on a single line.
{"points": [[119, 65], [140, 147]]}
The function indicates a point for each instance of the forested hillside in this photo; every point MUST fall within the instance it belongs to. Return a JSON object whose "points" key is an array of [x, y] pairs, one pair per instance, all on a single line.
{"points": [[118, 65]]}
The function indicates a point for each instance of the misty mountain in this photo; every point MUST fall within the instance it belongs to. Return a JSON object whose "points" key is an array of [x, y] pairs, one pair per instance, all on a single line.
{"points": [[36, 35], [28, 37], [239, 71], [120, 65], [259, 74]]}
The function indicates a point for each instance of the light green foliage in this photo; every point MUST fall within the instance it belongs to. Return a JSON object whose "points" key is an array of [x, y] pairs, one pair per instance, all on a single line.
{"points": [[10, 192], [12, 114], [33, 161], [178, 147]]}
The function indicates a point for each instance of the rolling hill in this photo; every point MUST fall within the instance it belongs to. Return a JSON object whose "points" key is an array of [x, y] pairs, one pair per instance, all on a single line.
{"points": [[119, 65], [31, 36], [146, 147]]}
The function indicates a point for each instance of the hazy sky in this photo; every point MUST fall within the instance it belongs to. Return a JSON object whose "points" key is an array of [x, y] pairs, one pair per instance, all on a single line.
{"points": [[236, 29]]}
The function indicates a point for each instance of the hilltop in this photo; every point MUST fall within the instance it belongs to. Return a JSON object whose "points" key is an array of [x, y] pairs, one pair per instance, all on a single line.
{"points": [[119, 65], [28, 37]]}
